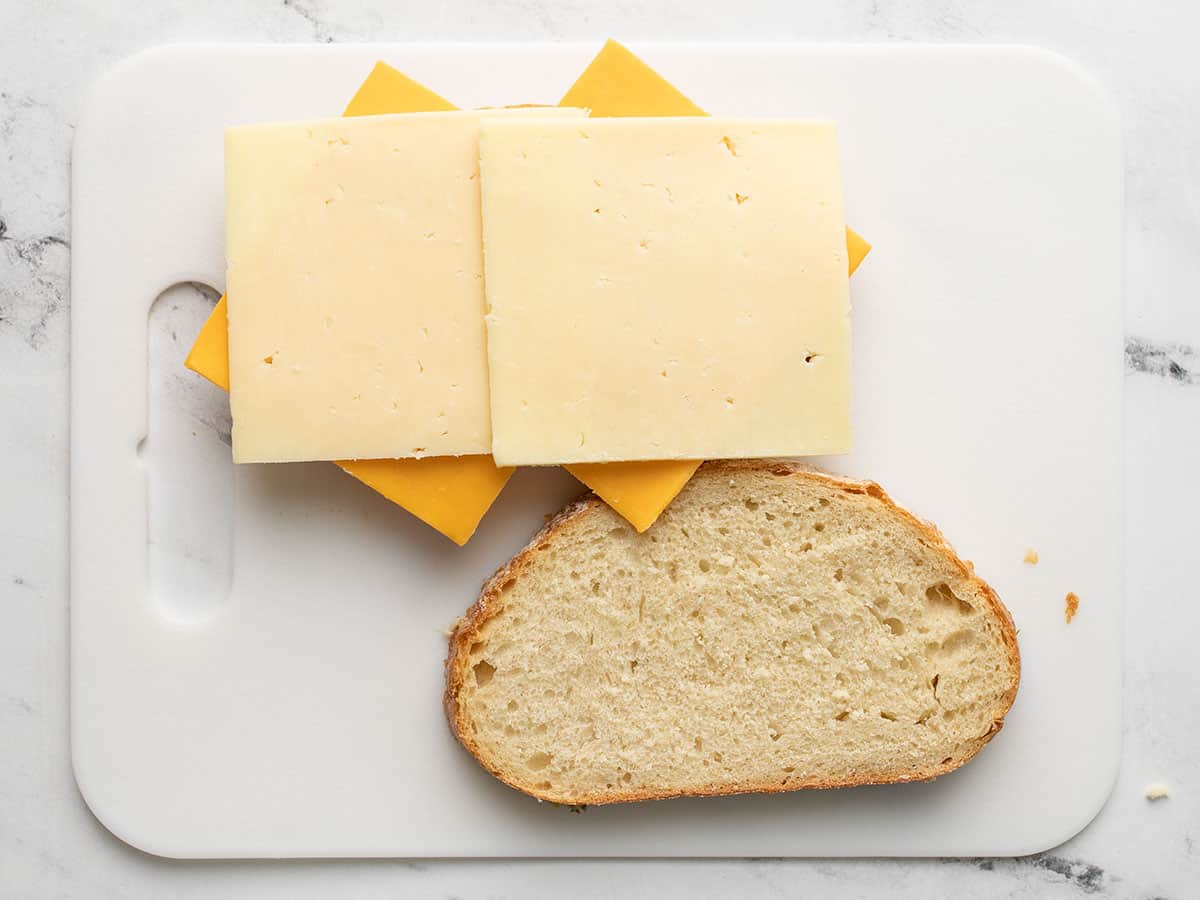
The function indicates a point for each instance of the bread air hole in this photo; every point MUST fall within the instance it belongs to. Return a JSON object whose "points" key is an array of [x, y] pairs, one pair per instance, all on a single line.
{"points": [[942, 597], [957, 641], [538, 761], [484, 671]]}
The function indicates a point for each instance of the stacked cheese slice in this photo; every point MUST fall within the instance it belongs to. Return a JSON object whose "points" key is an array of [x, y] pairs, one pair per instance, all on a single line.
{"points": [[354, 265], [660, 291]]}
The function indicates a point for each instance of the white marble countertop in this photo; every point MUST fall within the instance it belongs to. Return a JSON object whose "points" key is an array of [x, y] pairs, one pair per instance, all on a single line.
{"points": [[1142, 51]]}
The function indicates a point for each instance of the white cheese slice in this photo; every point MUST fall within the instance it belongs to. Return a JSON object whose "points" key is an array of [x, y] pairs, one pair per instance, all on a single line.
{"points": [[355, 282], [665, 288]]}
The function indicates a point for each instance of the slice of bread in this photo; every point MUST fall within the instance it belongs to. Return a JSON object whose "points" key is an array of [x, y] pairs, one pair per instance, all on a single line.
{"points": [[776, 629]]}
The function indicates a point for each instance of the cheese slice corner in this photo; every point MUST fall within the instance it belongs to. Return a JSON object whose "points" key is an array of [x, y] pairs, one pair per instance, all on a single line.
{"points": [[388, 90], [209, 356], [448, 493], [857, 248], [617, 83], [638, 491]]}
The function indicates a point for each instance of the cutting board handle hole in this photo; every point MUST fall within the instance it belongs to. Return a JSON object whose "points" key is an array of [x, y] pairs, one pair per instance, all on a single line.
{"points": [[185, 455]]}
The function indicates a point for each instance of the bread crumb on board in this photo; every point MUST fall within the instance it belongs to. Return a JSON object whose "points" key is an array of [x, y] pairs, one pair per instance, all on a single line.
{"points": [[1157, 791], [1072, 606], [447, 631], [1031, 556]]}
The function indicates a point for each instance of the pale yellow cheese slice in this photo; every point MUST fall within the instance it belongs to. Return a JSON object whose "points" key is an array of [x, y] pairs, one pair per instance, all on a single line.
{"points": [[355, 278], [696, 305]]}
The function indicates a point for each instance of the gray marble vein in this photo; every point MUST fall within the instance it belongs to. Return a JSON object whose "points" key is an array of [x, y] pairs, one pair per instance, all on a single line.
{"points": [[32, 283], [1175, 362], [1088, 877], [310, 12]]}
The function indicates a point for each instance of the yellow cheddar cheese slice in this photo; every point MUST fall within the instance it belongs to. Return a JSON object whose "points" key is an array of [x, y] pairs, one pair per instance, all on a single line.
{"points": [[639, 491], [388, 90], [209, 355], [618, 83], [449, 493], [857, 249]]}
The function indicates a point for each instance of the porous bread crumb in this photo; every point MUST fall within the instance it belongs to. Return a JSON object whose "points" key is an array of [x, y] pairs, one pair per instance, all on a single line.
{"points": [[1157, 791], [1072, 606], [1031, 557], [768, 633]]}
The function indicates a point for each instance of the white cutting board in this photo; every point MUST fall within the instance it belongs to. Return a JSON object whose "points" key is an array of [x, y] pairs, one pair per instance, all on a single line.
{"points": [[257, 651]]}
